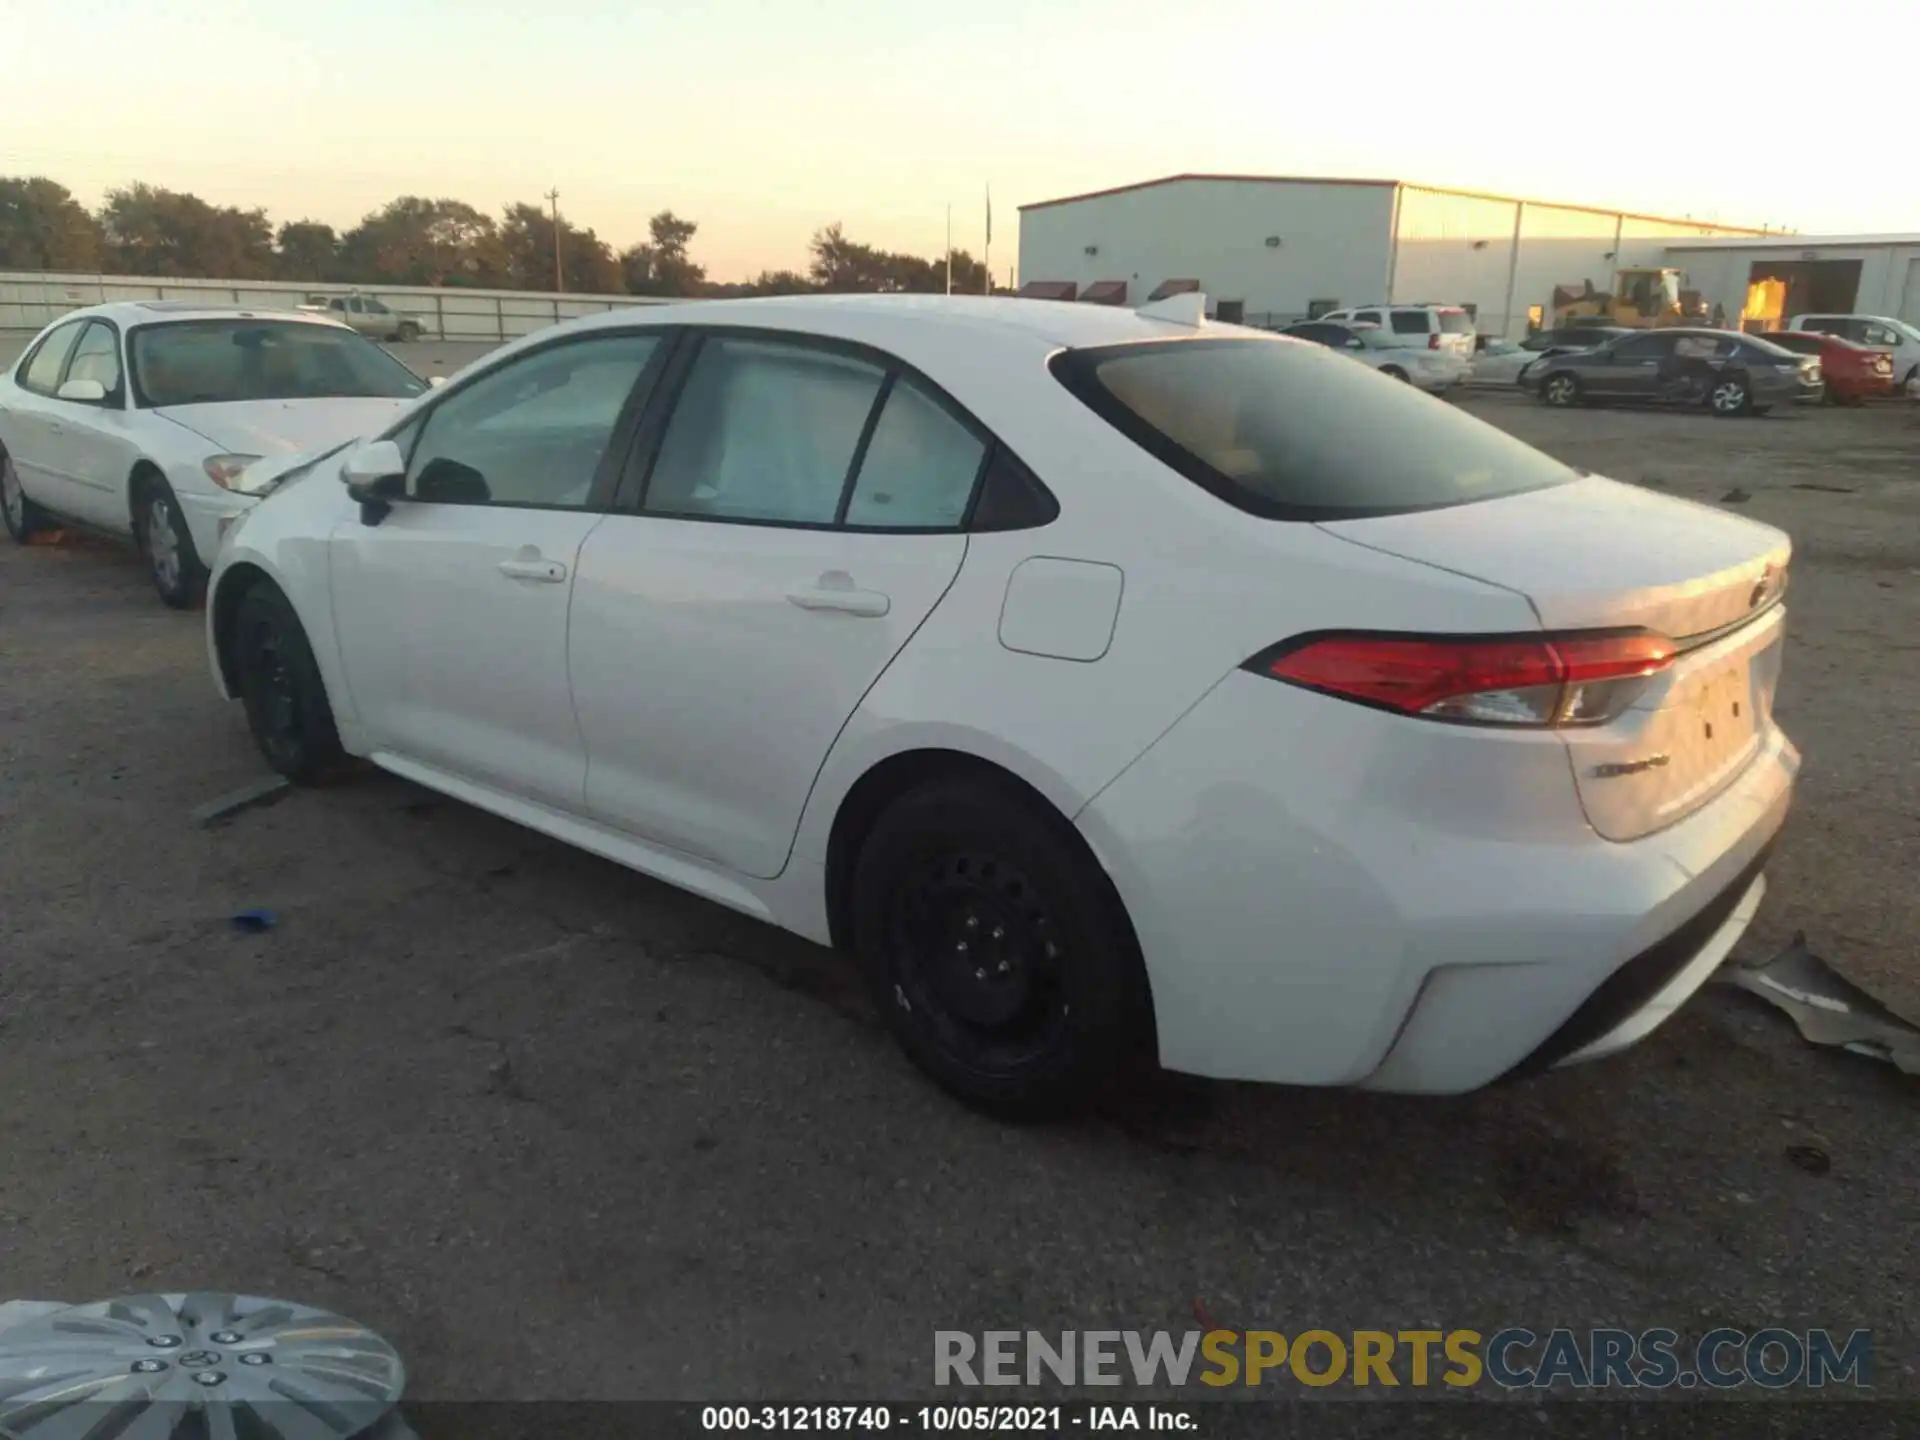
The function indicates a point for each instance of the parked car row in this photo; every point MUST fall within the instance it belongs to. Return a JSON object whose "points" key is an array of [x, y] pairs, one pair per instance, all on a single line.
{"points": [[1112, 686]]}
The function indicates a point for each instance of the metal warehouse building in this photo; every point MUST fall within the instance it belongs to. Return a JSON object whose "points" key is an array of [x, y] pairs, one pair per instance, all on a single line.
{"points": [[1766, 280], [1274, 249]]}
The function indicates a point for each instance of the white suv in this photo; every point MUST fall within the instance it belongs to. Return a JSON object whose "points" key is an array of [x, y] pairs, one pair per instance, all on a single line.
{"points": [[1898, 336], [1446, 329], [1437, 327]]}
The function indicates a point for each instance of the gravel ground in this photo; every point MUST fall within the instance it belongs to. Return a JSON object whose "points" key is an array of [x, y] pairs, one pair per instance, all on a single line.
{"points": [[561, 1132]]}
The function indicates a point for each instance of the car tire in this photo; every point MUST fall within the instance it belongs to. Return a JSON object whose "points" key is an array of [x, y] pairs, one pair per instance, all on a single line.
{"points": [[160, 530], [1729, 395], [1394, 372], [281, 688], [408, 333], [1560, 390], [23, 517], [998, 951]]}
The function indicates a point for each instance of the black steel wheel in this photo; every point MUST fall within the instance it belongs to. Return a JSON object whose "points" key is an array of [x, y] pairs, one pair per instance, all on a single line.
{"points": [[998, 950], [281, 688]]}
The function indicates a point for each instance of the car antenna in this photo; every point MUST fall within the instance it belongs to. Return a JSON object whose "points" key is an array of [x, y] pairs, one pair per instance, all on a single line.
{"points": [[1186, 308]]}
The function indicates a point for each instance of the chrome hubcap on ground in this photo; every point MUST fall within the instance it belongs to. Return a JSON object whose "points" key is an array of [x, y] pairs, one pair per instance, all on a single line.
{"points": [[14, 497], [163, 546], [1728, 397], [195, 1365]]}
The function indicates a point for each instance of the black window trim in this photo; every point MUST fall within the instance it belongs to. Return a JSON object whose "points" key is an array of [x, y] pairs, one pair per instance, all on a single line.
{"points": [[601, 494], [644, 450], [1076, 371], [114, 399], [79, 322]]}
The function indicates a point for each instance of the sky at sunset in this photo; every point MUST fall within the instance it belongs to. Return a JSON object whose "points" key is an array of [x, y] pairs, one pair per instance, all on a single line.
{"points": [[765, 121]]}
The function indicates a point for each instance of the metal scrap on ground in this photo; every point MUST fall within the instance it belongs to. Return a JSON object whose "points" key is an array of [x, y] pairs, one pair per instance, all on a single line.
{"points": [[1828, 1008], [248, 797]]}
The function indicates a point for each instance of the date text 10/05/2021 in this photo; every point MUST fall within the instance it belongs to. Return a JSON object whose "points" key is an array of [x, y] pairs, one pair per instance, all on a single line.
{"points": [[942, 1419]]}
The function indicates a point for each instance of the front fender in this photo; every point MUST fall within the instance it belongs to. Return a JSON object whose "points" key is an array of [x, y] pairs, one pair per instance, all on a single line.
{"points": [[284, 540]]}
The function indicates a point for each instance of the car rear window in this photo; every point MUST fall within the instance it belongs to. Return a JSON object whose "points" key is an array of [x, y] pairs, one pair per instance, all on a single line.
{"points": [[1292, 431], [1410, 322], [1456, 322]]}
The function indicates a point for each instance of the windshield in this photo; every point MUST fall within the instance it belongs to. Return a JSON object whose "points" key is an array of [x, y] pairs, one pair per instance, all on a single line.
{"points": [[1293, 432], [206, 362]]}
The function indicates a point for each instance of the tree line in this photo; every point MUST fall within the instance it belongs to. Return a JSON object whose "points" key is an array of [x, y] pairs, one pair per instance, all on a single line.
{"points": [[145, 229]]}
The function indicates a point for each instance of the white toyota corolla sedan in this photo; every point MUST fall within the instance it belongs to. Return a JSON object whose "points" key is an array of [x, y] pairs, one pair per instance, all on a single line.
{"points": [[136, 418], [1110, 684]]}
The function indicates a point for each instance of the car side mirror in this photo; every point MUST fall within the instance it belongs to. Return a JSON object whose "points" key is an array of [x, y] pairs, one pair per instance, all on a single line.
{"points": [[88, 392], [375, 475]]}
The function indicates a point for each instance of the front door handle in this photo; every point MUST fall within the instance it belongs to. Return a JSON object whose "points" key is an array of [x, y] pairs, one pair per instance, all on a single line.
{"points": [[551, 572], [835, 590]]}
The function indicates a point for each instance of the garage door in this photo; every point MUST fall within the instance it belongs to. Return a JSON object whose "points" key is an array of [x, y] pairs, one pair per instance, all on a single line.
{"points": [[1910, 297]]}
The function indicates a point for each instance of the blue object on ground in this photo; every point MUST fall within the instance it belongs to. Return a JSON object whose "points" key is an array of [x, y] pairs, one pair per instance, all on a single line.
{"points": [[254, 922]]}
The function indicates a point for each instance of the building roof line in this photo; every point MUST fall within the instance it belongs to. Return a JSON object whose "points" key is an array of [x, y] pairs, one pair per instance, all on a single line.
{"points": [[1402, 185]]}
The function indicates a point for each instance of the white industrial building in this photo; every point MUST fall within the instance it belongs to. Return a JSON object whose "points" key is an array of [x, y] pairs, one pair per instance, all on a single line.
{"points": [[1765, 279], [1272, 249]]}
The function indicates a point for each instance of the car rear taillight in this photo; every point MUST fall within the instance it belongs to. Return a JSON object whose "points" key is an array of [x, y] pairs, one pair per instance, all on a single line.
{"points": [[1584, 678]]}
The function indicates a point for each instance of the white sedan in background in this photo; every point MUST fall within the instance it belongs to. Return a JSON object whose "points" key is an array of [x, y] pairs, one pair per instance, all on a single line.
{"points": [[1502, 363], [1111, 684], [137, 418]]}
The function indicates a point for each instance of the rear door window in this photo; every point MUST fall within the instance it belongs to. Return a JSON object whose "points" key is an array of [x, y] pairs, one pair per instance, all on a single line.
{"points": [[1456, 322], [1410, 322], [1289, 432]]}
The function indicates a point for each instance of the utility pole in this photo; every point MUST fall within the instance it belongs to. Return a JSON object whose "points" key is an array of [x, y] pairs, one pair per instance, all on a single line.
{"points": [[559, 280], [949, 248], [986, 255]]}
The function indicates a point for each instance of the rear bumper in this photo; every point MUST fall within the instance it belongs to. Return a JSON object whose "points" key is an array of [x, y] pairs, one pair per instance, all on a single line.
{"points": [[1639, 997], [1329, 895]]}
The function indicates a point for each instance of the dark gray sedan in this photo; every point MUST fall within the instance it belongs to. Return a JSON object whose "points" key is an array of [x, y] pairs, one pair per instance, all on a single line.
{"points": [[1725, 371]]}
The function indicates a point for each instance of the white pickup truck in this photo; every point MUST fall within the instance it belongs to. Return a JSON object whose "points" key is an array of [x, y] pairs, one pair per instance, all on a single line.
{"points": [[367, 315]]}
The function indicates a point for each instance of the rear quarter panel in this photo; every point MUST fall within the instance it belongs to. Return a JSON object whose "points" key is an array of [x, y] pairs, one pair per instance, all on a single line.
{"points": [[1204, 587]]}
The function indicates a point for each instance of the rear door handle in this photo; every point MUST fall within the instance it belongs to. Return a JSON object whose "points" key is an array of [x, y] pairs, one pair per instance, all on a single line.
{"points": [[836, 591], [551, 572]]}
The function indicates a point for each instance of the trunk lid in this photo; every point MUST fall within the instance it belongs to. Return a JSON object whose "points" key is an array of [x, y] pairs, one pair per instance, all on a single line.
{"points": [[1595, 554]]}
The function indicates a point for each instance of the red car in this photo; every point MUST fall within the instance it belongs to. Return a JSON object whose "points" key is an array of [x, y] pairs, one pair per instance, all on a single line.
{"points": [[1853, 372]]}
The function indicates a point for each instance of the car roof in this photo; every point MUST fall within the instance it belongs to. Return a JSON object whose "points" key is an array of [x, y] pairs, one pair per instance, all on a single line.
{"points": [[919, 328], [145, 312]]}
